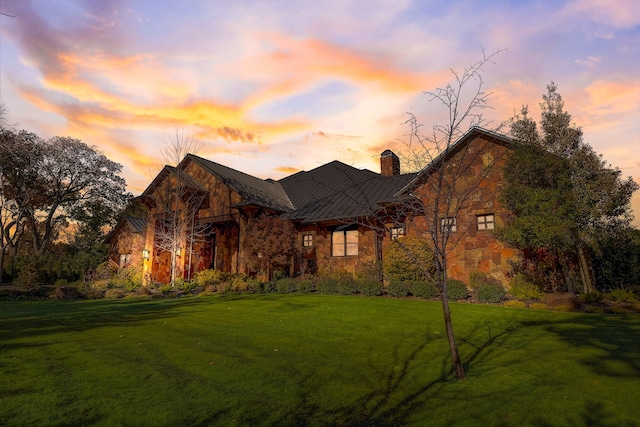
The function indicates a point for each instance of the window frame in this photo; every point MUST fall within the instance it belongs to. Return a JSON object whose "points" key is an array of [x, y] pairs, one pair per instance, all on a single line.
{"points": [[346, 243], [397, 231], [482, 223], [307, 240], [449, 224], [124, 260]]}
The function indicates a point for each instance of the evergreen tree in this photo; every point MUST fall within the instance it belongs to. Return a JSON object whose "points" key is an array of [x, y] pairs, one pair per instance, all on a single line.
{"points": [[563, 195]]}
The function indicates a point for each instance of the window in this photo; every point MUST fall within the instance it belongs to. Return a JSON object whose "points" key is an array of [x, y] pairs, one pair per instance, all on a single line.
{"points": [[448, 225], [344, 243], [125, 259], [396, 232], [485, 222], [307, 240]]}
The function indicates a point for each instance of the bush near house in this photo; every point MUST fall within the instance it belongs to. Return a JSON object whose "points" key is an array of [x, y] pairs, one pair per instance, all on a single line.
{"points": [[408, 258], [457, 290], [370, 288], [522, 288], [398, 288], [424, 289]]}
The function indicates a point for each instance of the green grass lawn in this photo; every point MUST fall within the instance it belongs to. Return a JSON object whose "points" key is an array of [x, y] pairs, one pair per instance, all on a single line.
{"points": [[288, 360]]}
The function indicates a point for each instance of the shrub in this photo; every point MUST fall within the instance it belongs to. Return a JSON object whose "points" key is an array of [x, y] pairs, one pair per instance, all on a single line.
{"points": [[346, 285], [515, 303], [327, 285], [165, 289], [622, 295], [128, 278], [521, 288], [478, 278], [457, 290], [407, 258], [265, 287], [370, 288], [305, 284], [240, 282], [60, 283], [178, 283], [209, 277], [285, 286], [370, 271], [635, 289], [591, 297], [398, 289], [492, 293], [424, 289], [114, 293], [188, 287], [225, 287]]}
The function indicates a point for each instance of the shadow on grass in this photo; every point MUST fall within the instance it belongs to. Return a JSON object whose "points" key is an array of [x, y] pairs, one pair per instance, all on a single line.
{"points": [[27, 319], [616, 339]]}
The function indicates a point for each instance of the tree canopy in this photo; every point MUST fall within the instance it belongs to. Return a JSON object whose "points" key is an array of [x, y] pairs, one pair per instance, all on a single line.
{"points": [[564, 197], [51, 186]]}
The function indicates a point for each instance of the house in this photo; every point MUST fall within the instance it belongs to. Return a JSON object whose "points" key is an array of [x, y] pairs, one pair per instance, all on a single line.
{"points": [[127, 242], [344, 216]]}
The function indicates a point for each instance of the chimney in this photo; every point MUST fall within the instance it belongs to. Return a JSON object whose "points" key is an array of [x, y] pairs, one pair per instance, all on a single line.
{"points": [[389, 163]]}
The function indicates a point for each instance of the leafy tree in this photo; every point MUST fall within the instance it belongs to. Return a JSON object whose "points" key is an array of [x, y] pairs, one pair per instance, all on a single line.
{"points": [[564, 196], [270, 244], [21, 188], [47, 186]]}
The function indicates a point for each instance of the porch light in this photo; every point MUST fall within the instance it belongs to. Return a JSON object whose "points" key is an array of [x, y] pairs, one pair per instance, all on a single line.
{"points": [[179, 252], [145, 254]]}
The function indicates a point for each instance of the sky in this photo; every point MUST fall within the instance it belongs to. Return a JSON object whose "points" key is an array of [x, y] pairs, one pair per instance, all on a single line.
{"points": [[274, 87]]}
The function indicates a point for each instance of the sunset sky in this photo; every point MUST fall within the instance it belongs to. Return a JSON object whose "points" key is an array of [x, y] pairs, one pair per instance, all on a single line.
{"points": [[273, 87]]}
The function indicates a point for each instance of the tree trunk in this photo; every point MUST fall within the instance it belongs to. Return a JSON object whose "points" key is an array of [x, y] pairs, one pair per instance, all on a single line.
{"points": [[458, 368], [584, 271], [565, 271]]}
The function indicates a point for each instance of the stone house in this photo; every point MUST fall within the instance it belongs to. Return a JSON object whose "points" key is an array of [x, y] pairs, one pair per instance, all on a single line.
{"points": [[345, 217], [127, 242]]}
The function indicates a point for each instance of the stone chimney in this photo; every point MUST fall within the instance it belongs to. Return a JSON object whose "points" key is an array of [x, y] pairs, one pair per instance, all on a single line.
{"points": [[389, 163]]}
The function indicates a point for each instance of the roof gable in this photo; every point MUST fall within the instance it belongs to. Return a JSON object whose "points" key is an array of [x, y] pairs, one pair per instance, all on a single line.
{"points": [[451, 151], [134, 225], [263, 193]]}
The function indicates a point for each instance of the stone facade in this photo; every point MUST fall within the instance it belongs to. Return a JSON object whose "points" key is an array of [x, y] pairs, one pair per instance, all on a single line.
{"points": [[473, 245]]}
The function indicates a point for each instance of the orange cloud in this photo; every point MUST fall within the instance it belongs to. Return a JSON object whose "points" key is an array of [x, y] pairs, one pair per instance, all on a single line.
{"points": [[308, 61], [287, 169]]}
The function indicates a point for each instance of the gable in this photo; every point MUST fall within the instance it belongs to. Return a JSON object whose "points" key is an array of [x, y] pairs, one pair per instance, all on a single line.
{"points": [[254, 191], [466, 142]]}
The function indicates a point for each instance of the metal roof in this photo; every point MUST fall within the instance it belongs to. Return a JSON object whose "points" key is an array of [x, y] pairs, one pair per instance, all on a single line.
{"points": [[337, 191], [256, 191]]}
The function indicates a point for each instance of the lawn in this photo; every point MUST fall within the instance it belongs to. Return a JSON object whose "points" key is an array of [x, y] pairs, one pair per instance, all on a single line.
{"points": [[288, 360]]}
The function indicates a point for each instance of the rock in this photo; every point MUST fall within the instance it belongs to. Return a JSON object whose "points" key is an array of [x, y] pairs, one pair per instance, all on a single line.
{"points": [[66, 293], [562, 298]]}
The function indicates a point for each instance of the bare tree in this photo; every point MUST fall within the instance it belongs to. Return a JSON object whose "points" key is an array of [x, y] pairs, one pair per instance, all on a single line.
{"points": [[177, 229], [446, 185]]}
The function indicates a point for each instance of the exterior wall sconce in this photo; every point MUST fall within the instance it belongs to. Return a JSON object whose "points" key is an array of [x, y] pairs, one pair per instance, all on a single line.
{"points": [[179, 252], [145, 254]]}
